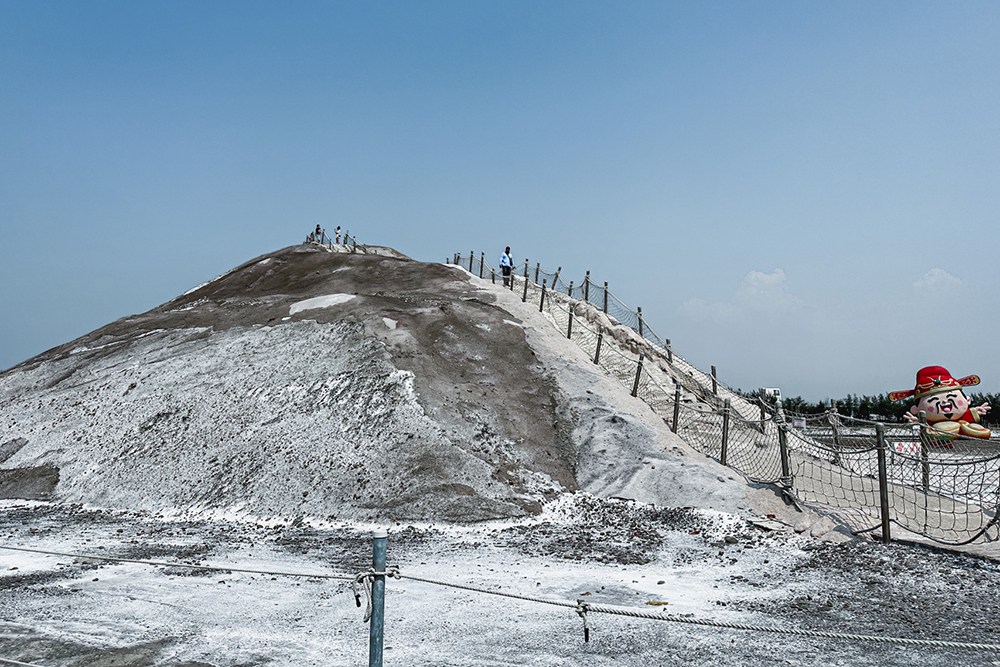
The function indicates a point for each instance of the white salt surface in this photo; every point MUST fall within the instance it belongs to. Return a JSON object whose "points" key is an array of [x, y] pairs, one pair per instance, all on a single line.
{"points": [[320, 302], [389, 323]]}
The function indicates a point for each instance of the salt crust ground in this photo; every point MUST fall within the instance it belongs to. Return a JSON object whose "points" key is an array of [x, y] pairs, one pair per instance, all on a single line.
{"points": [[64, 611]]}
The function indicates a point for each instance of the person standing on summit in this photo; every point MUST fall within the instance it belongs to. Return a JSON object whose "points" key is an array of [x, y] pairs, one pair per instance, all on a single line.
{"points": [[506, 265]]}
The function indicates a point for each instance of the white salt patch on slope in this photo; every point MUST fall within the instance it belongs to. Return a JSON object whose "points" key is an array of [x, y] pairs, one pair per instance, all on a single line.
{"points": [[389, 323], [320, 302], [513, 324]]}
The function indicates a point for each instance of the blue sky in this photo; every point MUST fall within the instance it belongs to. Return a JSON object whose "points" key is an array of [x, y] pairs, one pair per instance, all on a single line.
{"points": [[804, 194]]}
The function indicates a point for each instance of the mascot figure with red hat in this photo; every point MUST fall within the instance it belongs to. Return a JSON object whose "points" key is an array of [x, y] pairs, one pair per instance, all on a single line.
{"points": [[940, 396]]}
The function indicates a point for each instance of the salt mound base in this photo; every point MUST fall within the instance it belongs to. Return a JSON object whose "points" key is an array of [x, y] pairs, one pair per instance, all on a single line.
{"points": [[340, 386]]}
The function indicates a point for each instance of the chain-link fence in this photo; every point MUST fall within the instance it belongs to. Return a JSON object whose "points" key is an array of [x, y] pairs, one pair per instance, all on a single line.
{"points": [[936, 485]]}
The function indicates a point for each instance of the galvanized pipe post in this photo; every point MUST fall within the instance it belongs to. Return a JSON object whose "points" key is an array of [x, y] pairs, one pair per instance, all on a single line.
{"points": [[600, 339], [482, 262], [586, 287], [677, 406], [883, 483], [376, 631], [605, 297], [541, 301], [724, 455], [715, 383], [639, 310], [925, 466], [638, 374]]}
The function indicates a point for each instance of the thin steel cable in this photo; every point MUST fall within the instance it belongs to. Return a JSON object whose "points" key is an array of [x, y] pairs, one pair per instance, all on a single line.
{"points": [[211, 568], [670, 618]]}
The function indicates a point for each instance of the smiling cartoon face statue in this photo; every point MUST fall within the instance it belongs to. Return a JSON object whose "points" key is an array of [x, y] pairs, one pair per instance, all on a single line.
{"points": [[940, 396]]}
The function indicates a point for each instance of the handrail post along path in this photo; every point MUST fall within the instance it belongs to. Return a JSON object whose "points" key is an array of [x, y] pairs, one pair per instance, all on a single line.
{"points": [[883, 483]]}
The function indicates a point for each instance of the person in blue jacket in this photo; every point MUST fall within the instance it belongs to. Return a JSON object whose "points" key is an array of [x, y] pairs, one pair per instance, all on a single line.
{"points": [[506, 265]]}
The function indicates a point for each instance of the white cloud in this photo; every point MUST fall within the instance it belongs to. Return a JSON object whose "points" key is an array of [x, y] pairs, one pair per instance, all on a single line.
{"points": [[759, 293], [939, 280]]}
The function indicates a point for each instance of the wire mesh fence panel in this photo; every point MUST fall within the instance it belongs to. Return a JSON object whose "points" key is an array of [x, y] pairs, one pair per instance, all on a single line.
{"points": [[702, 429], [753, 449], [656, 396], [617, 364], [941, 487], [947, 496], [621, 312], [594, 294]]}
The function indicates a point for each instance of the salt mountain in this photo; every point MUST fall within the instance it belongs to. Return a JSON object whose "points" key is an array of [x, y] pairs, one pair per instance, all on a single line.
{"points": [[343, 386]]}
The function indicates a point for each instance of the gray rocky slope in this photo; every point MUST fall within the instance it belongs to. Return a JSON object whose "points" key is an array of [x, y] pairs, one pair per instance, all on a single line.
{"points": [[340, 386]]}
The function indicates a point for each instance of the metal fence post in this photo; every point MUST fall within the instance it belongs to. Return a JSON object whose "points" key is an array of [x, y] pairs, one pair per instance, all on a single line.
{"points": [[538, 266], [524, 297], [779, 417], [925, 466], [541, 301], [569, 292], [600, 339], [586, 287], [715, 383], [639, 311], [638, 374], [482, 262], [376, 631], [493, 276], [472, 256], [525, 269], [835, 428], [677, 405], [724, 455], [670, 352], [883, 483], [555, 280], [605, 297]]}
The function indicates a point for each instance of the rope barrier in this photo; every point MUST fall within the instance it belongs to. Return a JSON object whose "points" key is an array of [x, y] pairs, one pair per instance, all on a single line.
{"points": [[5, 661], [583, 608], [365, 579]]}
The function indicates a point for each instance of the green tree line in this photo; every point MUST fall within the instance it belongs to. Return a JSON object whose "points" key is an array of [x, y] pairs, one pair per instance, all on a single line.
{"points": [[877, 407]]}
